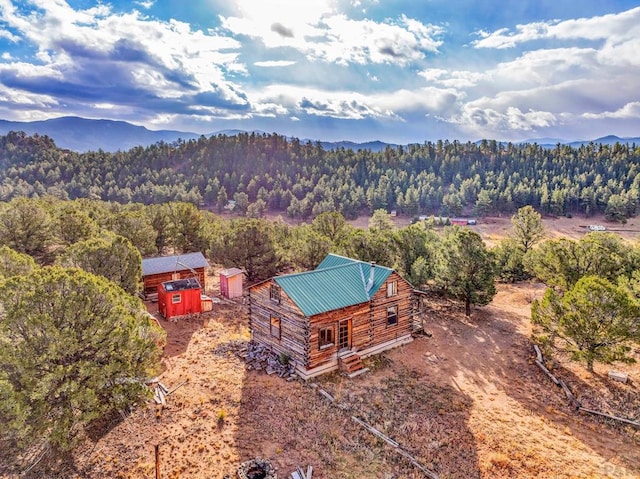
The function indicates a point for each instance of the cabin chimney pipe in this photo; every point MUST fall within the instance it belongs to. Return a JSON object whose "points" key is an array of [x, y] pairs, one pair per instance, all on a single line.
{"points": [[371, 273]]}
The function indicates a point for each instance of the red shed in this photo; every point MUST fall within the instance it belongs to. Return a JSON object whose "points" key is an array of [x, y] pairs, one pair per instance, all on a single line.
{"points": [[179, 298], [169, 268], [231, 283]]}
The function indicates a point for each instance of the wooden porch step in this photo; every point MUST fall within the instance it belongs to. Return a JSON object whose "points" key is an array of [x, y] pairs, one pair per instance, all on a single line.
{"points": [[351, 364]]}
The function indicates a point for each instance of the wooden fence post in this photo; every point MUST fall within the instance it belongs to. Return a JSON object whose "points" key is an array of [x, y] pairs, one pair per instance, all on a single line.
{"points": [[157, 461]]}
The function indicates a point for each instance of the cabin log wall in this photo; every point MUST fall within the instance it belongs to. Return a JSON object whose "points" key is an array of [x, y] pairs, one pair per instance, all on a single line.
{"points": [[380, 330], [294, 327], [358, 314]]}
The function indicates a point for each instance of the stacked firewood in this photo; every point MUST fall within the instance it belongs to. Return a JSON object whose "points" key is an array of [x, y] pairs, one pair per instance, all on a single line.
{"points": [[262, 358]]}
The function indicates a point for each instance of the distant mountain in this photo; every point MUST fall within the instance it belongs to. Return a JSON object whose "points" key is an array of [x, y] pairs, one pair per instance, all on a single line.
{"points": [[81, 134], [546, 142], [370, 145], [605, 140]]}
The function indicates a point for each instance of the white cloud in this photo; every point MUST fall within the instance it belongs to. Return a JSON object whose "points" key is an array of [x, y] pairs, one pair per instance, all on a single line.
{"points": [[356, 106], [104, 106], [275, 63], [629, 111], [615, 28], [457, 79], [318, 30], [146, 4], [314, 102], [508, 122]]}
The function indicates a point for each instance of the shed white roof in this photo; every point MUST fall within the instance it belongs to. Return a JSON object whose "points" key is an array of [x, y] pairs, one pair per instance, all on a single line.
{"points": [[230, 272]]}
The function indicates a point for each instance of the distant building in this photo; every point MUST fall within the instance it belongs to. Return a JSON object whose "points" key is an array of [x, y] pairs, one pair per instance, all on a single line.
{"points": [[459, 221]]}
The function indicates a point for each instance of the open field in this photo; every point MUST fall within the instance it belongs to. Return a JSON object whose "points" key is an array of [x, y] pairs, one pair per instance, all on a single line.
{"points": [[467, 402]]}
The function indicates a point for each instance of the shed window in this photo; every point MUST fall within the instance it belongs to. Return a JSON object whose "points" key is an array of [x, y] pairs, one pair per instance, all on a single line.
{"points": [[392, 315], [275, 327], [326, 337], [274, 293], [176, 298], [392, 288]]}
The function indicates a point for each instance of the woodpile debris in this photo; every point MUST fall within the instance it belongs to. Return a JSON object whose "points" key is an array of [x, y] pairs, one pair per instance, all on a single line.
{"points": [[428, 473], [618, 376], [572, 399], [160, 391], [302, 474], [261, 358]]}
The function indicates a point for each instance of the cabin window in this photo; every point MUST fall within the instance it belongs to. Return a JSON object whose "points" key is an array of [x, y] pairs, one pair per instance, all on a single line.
{"points": [[274, 293], [326, 337], [392, 288], [275, 327], [392, 315], [176, 298]]}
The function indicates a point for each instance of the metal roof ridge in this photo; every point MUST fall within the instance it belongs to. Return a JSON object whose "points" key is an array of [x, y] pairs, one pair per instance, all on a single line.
{"points": [[364, 281], [301, 273], [354, 261]]}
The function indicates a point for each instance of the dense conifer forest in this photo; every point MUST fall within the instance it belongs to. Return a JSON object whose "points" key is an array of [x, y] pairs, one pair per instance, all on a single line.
{"points": [[302, 180]]}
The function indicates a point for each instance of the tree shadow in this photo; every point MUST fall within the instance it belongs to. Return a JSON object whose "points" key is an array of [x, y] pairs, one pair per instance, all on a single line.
{"points": [[179, 331], [293, 425], [490, 354]]}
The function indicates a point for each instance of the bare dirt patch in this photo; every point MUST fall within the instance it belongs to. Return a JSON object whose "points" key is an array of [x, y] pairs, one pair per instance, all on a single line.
{"points": [[467, 403]]}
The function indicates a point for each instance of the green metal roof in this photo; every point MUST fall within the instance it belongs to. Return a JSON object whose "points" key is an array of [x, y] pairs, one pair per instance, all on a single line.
{"points": [[338, 282], [332, 260]]}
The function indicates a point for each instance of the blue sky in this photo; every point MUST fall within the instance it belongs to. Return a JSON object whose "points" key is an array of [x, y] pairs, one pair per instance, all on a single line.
{"points": [[398, 71]]}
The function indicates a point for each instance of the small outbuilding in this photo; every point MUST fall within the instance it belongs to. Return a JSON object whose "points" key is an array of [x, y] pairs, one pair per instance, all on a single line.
{"points": [[170, 268], [179, 298], [231, 283]]}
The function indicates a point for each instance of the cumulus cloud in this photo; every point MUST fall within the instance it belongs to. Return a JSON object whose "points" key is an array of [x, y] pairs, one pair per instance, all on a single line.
{"points": [[612, 27], [123, 58], [324, 34], [346, 105], [146, 4], [629, 111], [457, 79], [512, 120]]}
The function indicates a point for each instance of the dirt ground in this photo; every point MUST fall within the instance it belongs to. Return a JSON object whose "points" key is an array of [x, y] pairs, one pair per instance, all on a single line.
{"points": [[467, 402], [494, 228]]}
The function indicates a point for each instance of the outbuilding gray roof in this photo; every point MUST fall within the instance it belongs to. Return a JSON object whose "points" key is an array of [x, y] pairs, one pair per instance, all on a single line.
{"points": [[170, 264]]}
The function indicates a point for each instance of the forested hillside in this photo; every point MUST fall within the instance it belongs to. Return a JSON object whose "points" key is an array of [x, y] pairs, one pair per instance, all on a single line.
{"points": [[263, 172]]}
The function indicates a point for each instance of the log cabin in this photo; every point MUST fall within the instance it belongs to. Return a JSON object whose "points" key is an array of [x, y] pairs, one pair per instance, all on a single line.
{"points": [[170, 268], [333, 316]]}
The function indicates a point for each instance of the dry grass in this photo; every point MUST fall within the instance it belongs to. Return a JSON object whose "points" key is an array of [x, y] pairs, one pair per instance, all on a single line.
{"points": [[467, 402]]}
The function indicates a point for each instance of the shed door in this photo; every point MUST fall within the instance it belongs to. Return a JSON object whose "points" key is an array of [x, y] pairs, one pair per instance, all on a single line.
{"points": [[344, 334]]}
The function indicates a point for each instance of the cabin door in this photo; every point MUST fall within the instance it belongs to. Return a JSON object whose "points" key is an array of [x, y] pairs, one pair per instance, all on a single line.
{"points": [[344, 334]]}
